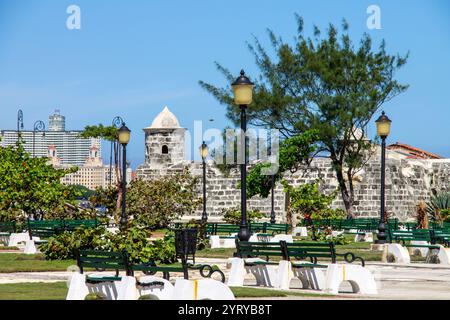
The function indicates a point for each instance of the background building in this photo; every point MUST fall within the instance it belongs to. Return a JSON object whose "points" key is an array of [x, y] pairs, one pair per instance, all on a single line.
{"points": [[72, 150]]}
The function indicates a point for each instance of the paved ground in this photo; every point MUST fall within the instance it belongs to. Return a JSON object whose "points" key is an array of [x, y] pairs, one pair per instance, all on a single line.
{"points": [[413, 281]]}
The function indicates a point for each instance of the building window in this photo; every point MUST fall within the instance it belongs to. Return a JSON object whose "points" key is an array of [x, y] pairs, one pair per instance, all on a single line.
{"points": [[165, 149]]}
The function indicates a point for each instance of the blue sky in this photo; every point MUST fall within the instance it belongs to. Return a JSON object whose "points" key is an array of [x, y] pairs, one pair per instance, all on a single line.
{"points": [[131, 58]]}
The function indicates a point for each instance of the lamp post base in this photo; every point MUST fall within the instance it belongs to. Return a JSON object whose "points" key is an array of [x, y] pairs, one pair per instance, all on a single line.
{"points": [[244, 233]]}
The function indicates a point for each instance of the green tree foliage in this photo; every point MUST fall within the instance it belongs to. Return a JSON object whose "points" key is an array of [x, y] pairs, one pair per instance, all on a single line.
{"points": [[31, 186], [294, 153], [308, 201], [109, 133], [325, 84], [156, 203]]}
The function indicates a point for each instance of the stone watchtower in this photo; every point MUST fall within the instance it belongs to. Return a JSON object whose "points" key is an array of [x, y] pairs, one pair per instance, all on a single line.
{"points": [[164, 141]]}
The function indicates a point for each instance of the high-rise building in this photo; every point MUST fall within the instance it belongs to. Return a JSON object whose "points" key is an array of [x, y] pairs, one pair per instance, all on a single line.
{"points": [[56, 122], [72, 149]]}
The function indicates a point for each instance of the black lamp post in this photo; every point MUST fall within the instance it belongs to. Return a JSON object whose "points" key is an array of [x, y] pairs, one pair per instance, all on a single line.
{"points": [[19, 123], [117, 123], [383, 130], [204, 154], [39, 126], [124, 138], [272, 211], [243, 94]]}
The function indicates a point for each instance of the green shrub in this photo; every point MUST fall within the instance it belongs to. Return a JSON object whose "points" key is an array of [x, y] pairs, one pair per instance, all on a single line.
{"points": [[63, 246], [233, 216]]}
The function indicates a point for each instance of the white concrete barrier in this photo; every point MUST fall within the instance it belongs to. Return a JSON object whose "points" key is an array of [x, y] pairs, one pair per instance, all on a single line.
{"points": [[400, 253], [419, 251], [361, 279], [214, 242], [205, 289], [158, 287], [265, 275], [283, 237], [300, 232], [364, 237], [444, 255], [16, 238], [313, 278], [78, 289], [30, 247]]}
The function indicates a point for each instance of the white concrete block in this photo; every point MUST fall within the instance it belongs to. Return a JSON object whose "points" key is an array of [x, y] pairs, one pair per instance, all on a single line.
{"points": [[214, 242], [364, 237], [205, 289], [283, 237], [361, 279], [30, 247], [313, 278], [237, 272], [423, 252], [163, 292], [444, 255], [126, 289], [77, 288], [16, 238], [400, 253], [300, 232]]}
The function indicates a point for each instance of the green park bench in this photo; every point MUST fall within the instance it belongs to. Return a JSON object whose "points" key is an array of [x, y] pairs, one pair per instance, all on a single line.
{"points": [[266, 227], [262, 250], [44, 229], [223, 230], [101, 261], [441, 236], [71, 225], [404, 237], [300, 250], [7, 227]]}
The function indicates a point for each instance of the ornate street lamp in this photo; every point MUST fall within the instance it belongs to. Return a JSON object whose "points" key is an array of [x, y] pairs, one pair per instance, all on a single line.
{"points": [[243, 94], [39, 126], [117, 123], [124, 139], [383, 130], [19, 123], [272, 211], [204, 154]]}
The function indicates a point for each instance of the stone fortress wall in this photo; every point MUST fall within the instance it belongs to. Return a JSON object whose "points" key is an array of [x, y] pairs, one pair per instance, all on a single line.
{"points": [[407, 180]]}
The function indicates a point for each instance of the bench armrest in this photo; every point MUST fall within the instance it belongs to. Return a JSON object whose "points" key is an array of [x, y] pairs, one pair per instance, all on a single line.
{"points": [[350, 257]]}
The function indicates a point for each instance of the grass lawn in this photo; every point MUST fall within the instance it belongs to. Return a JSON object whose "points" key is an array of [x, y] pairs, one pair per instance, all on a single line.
{"points": [[58, 291], [16, 262], [34, 291]]}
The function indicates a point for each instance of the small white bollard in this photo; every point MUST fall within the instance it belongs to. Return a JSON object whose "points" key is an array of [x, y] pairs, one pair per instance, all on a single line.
{"points": [[283, 237], [77, 289], [361, 279], [300, 232], [364, 237], [205, 289], [400, 253], [163, 292]]}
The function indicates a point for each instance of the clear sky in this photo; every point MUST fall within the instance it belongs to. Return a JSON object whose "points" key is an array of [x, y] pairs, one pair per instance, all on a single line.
{"points": [[131, 58]]}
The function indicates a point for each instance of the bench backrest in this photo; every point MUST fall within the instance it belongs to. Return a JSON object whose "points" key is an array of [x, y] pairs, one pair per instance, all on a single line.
{"points": [[312, 250], [8, 226], [409, 235], [102, 260], [217, 228], [247, 249], [45, 228], [70, 225]]}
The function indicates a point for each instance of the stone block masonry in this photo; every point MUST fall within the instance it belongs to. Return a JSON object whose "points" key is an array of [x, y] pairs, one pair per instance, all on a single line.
{"points": [[407, 182]]}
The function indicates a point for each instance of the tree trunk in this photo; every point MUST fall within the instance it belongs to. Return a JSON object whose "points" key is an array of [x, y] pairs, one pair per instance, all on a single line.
{"points": [[346, 196]]}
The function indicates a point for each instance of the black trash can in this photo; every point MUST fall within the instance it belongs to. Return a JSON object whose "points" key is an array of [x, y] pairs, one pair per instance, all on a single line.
{"points": [[186, 244]]}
